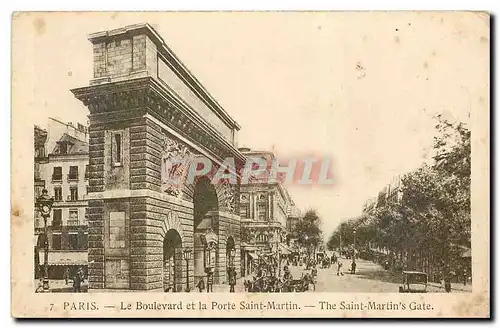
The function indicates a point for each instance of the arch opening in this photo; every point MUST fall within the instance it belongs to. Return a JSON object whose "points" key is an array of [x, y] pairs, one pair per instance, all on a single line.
{"points": [[205, 219], [172, 261]]}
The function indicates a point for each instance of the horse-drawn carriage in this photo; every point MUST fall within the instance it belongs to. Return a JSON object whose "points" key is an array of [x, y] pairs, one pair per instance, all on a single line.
{"points": [[326, 263], [268, 280], [276, 285]]}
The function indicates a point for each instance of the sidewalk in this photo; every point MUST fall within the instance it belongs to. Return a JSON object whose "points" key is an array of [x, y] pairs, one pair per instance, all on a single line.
{"points": [[59, 286], [224, 288], [454, 286]]}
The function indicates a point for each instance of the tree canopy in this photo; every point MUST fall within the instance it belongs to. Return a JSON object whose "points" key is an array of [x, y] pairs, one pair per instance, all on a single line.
{"points": [[308, 231], [431, 211]]}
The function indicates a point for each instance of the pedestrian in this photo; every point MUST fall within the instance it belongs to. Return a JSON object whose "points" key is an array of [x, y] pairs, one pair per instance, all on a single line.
{"points": [[447, 282], [200, 285], [314, 272], [253, 287], [210, 281], [339, 268], [39, 289], [232, 279], [353, 267], [77, 281], [287, 275], [66, 275]]}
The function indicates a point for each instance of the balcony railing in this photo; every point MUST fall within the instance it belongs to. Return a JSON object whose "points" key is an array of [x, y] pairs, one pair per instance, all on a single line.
{"points": [[57, 177], [73, 177], [73, 222]]}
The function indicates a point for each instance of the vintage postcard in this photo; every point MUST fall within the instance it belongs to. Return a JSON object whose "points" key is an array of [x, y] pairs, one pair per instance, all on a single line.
{"points": [[250, 164]]}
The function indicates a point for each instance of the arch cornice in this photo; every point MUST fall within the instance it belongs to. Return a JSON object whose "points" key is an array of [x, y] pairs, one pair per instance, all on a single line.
{"points": [[162, 103]]}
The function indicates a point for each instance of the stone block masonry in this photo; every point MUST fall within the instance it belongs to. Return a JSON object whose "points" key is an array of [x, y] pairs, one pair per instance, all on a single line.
{"points": [[119, 57], [138, 232]]}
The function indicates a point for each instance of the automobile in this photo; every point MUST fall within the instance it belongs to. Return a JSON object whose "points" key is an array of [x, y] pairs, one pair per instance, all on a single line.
{"points": [[414, 282]]}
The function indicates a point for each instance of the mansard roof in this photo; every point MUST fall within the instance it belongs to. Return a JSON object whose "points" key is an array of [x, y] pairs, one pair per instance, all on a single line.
{"points": [[74, 146]]}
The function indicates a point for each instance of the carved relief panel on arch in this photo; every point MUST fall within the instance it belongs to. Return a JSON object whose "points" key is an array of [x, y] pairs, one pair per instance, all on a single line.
{"points": [[229, 200], [176, 158]]}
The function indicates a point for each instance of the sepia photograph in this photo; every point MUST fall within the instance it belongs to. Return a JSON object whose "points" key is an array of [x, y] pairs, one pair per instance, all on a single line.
{"points": [[316, 164]]}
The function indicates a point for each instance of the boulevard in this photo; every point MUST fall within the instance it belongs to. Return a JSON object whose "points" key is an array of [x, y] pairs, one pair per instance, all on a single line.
{"points": [[369, 278]]}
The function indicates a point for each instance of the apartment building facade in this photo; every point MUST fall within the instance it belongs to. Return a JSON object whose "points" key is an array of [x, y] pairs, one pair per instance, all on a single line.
{"points": [[264, 211], [61, 162]]}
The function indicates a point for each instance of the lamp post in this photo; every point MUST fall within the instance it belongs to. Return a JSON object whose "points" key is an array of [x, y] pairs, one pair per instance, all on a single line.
{"points": [[279, 261], [209, 267], [210, 242], [187, 257], [232, 255], [44, 205], [354, 233], [340, 242], [232, 270], [307, 249], [278, 256]]}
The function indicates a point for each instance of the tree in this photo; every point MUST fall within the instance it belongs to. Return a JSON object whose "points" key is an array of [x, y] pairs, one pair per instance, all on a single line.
{"points": [[431, 215], [308, 230]]}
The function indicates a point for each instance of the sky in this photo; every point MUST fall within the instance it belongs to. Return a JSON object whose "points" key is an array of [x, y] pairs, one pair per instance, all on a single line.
{"points": [[361, 88]]}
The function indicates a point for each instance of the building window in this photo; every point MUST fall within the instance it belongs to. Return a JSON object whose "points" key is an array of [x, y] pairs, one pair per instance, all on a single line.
{"points": [[57, 219], [73, 193], [56, 241], [73, 218], [57, 173], [117, 148], [262, 238], [40, 152], [261, 209], [73, 173], [73, 240], [243, 212], [63, 148], [84, 240], [57, 194], [117, 229]]}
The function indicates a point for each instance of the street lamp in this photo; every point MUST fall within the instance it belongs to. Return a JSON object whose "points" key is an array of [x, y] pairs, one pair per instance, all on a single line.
{"points": [[187, 257], [210, 242], [354, 255], [279, 261], [232, 270], [232, 254], [307, 249], [44, 205]]}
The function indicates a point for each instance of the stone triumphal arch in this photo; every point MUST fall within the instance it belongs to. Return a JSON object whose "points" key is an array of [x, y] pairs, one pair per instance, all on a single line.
{"points": [[147, 109]]}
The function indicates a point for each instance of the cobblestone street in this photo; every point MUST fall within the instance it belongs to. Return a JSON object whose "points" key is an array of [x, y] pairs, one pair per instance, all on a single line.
{"points": [[369, 278]]}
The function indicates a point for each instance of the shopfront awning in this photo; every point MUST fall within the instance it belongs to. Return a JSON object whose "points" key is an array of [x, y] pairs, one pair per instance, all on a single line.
{"points": [[253, 255], [249, 247], [65, 258], [285, 250]]}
